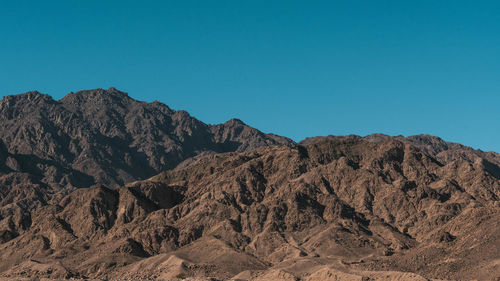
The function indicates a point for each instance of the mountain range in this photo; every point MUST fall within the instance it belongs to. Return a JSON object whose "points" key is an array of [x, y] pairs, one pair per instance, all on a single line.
{"points": [[99, 185]]}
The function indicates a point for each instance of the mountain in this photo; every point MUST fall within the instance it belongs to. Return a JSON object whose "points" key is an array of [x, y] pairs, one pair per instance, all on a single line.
{"points": [[328, 208], [113, 138], [50, 148]]}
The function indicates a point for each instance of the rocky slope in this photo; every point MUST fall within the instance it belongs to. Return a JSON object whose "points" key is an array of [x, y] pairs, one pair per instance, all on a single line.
{"points": [[49, 148], [332, 208]]}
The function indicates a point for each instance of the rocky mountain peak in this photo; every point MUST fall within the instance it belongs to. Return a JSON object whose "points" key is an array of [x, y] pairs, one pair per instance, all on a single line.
{"points": [[234, 122], [110, 136], [15, 106], [112, 98], [31, 96]]}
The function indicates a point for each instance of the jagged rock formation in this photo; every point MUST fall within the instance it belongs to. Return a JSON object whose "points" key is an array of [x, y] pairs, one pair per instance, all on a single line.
{"points": [[333, 208], [112, 138]]}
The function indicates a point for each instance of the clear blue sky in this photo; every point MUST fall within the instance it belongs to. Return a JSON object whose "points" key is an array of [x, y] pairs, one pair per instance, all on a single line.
{"points": [[295, 68]]}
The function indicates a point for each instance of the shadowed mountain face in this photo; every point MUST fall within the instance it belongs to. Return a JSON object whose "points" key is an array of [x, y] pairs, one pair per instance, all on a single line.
{"points": [[112, 138], [328, 208]]}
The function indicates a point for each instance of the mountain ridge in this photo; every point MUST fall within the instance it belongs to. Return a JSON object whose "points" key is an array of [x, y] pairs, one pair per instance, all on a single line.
{"points": [[85, 193], [100, 116]]}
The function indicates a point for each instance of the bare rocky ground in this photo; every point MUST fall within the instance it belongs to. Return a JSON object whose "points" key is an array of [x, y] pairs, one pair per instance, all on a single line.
{"points": [[328, 208]]}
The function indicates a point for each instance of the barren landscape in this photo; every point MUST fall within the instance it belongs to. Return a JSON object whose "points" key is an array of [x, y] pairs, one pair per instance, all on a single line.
{"points": [[98, 185]]}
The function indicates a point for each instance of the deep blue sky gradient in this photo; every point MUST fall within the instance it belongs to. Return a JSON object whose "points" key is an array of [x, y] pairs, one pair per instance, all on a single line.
{"points": [[295, 68]]}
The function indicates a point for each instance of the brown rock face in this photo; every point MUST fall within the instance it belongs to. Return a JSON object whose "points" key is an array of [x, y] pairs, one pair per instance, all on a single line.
{"points": [[331, 208], [49, 148], [110, 137]]}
